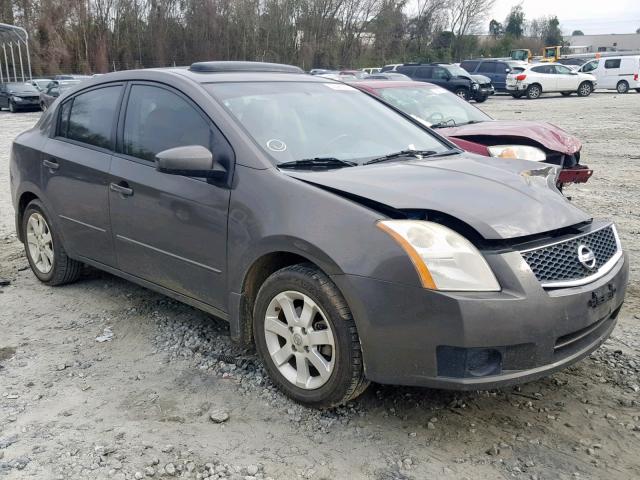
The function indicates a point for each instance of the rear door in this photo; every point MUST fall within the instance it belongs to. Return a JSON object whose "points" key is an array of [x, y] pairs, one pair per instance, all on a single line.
{"points": [[546, 76], [488, 69], [170, 230], [75, 171]]}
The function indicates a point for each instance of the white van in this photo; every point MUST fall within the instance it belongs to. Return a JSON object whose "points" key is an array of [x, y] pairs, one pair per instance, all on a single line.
{"points": [[615, 73]]}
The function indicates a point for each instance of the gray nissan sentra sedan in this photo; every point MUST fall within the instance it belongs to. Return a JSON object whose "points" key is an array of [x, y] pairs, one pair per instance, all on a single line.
{"points": [[346, 240]]}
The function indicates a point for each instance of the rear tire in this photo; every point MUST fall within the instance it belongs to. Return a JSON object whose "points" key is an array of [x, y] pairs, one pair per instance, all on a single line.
{"points": [[585, 89], [534, 91], [462, 93], [293, 306], [622, 86], [45, 253]]}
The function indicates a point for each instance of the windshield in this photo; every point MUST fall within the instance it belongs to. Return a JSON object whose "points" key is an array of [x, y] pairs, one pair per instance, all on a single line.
{"points": [[455, 70], [21, 87], [304, 120], [433, 105]]}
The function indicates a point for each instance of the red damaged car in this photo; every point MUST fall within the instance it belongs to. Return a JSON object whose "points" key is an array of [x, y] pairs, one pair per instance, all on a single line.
{"points": [[475, 131]]}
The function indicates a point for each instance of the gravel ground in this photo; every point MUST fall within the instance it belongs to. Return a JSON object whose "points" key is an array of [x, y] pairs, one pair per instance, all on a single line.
{"points": [[156, 399]]}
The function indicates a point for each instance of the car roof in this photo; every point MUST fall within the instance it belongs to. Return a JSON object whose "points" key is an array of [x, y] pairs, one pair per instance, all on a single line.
{"points": [[375, 84], [218, 72]]}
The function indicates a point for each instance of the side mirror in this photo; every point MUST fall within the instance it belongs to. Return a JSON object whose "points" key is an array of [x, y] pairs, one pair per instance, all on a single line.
{"points": [[190, 161]]}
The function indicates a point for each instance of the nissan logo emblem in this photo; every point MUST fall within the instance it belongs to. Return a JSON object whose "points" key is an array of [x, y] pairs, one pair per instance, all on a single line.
{"points": [[586, 257]]}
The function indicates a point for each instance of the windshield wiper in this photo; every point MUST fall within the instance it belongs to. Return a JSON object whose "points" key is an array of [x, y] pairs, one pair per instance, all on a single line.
{"points": [[317, 163], [403, 153], [444, 123]]}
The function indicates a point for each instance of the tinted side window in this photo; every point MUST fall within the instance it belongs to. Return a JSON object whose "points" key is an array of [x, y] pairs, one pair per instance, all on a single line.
{"points": [[158, 119], [440, 73], [592, 65], [409, 71], [91, 116], [487, 67], [424, 72], [63, 124], [469, 65], [541, 69], [612, 63]]}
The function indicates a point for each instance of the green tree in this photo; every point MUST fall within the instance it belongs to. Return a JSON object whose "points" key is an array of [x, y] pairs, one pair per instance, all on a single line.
{"points": [[495, 28], [515, 22], [552, 34], [576, 33]]}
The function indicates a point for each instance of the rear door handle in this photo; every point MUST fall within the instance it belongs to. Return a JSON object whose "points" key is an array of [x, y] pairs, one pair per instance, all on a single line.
{"points": [[51, 164], [121, 188]]}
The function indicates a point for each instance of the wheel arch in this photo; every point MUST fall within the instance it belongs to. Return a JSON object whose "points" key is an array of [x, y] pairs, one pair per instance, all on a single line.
{"points": [[259, 269], [24, 199]]}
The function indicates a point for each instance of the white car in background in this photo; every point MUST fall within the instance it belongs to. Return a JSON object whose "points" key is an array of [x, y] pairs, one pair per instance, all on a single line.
{"points": [[534, 80], [619, 73]]}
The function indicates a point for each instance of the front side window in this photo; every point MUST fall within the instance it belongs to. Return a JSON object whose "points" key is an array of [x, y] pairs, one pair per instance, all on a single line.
{"points": [[562, 70], [440, 73], [305, 120], [91, 117], [157, 119], [436, 106]]}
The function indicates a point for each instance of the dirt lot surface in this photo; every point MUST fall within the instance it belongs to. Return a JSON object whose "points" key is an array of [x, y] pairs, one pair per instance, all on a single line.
{"points": [[140, 404]]}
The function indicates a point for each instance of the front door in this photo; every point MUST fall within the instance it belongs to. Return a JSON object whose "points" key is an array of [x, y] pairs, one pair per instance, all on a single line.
{"points": [[567, 80], [75, 165], [168, 229]]}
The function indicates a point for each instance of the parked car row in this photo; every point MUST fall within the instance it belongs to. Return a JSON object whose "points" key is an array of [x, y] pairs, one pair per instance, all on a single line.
{"points": [[37, 93], [345, 239]]}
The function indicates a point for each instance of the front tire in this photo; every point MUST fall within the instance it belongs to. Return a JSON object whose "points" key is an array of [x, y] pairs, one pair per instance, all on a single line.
{"points": [[307, 338], [481, 99], [534, 91], [622, 86], [45, 253], [585, 89], [12, 107], [462, 93]]}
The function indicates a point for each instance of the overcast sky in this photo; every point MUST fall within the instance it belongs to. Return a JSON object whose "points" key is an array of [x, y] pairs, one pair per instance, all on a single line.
{"points": [[590, 16]]}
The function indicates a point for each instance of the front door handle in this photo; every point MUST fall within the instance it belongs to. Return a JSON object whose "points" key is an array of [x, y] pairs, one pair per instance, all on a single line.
{"points": [[121, 188], [51, 164]]}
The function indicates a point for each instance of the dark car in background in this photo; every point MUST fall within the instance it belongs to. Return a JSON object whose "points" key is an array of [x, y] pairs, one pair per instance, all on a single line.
{"points": [[450, 77], [53, 91], [475, 131], [347, 251], [495, 70], [19, 96]]}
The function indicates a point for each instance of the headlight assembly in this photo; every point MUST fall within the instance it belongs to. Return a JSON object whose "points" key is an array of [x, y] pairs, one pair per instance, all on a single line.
{"points": [[16, 99], [443, 259], [523, 152]]}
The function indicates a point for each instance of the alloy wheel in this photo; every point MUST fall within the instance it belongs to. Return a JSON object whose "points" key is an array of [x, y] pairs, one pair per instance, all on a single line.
{"points": [[585, 89], [40, 243], [300, 340]]}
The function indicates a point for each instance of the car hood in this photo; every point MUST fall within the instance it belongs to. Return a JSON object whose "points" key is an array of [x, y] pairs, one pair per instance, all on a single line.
{"points": [[480, 78], [499, 198], [548, 135]]}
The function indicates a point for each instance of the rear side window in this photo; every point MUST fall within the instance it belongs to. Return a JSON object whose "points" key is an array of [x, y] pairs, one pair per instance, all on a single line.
{"points": [[157, 119], [409, 71], [543, 69], [612, 63], [487, 67], [424, 72], [469, 65], [91, 116]]}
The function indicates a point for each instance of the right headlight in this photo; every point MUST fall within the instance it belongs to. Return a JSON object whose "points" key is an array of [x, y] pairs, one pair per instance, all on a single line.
{"points": [[444, 259], [523, 152]]}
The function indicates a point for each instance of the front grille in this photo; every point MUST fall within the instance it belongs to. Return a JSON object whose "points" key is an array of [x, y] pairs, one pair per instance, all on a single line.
{"points": [[559, 262]]}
